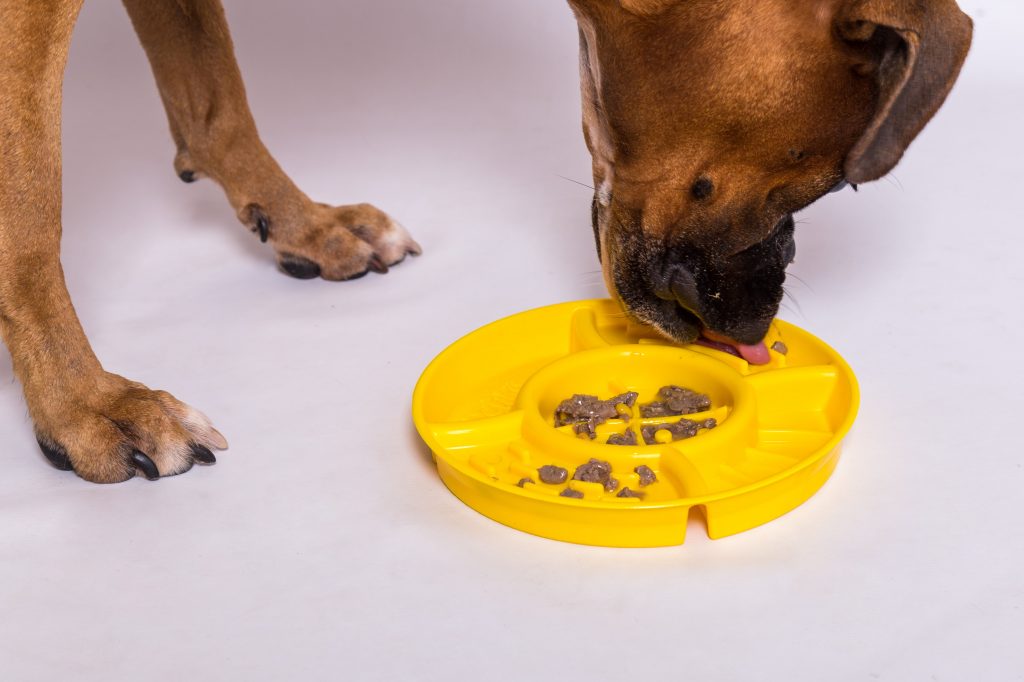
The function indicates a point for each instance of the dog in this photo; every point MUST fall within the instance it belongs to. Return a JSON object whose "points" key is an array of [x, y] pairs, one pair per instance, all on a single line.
{"points": [[710, 122]]}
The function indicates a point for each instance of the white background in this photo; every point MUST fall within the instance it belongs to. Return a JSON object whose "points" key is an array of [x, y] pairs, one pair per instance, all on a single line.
{"points": [[323, 545]]}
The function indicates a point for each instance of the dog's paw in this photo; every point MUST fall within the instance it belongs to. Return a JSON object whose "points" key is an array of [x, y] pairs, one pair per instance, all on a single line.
{"points": [[334, 242], [120, 428], [390, 241]]}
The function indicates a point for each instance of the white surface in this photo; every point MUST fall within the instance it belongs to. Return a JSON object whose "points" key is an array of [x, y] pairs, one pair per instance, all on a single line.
{"points": [[323, 545]]}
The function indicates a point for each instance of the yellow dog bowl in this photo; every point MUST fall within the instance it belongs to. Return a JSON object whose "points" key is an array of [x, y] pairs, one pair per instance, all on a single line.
{"points": [[485, 406]]}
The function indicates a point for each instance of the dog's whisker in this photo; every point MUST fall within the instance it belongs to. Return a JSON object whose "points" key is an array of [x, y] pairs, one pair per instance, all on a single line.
{"points": [[576, 182], [799, 279], [894, 181], [788, 294]]}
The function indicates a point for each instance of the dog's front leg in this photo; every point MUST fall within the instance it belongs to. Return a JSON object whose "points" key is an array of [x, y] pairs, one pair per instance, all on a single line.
{"points": [[190, 50], [99, 424]]}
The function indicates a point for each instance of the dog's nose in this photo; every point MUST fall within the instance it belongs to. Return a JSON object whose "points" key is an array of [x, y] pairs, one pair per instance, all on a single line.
{"points": [[676, 283]]}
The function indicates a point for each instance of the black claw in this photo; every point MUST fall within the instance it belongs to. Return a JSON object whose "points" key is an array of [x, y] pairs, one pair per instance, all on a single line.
{"points": [[145, 465], [56, 454], [254, 215], [202, 454], [377, 264], [187, 176], [299, 267]]}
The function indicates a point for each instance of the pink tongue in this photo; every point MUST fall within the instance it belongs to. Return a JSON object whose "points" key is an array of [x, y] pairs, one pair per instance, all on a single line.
{"points": [[756, 354]]}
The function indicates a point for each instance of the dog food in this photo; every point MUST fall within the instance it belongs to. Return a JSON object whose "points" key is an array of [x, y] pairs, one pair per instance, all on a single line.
{"points": [[684, 428], [553, 475], [524, 480], [676, 401], [628, 437], [646, 474], [626, 492], [593, 471], [596, 471], [780, 348], [585, 412]]}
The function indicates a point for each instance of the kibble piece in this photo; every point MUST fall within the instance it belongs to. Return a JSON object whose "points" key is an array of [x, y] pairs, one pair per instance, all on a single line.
{"points": [[628, 399], [585, 412], [611, 484], [626, 492], [646, 474], [569, 492], [684, 428], [685, 400], [553, 475], [628, 437], [587, 428], [594, 471], [675, 401], [780, 348], [524, 480]]}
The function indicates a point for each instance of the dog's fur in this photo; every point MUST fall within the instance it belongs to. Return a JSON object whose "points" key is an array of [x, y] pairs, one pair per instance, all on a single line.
{"points": [[709, 121]]}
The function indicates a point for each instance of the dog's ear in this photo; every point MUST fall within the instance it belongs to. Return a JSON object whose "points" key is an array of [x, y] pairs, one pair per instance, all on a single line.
{"points": [[646, 8], [917, 49]]}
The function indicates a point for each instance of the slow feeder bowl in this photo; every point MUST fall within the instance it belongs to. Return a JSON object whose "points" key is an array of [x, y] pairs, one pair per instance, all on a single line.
{"points": [[485, 407]]}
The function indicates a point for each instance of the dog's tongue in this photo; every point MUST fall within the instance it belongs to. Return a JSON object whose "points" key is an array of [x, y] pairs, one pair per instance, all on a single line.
{"points": [[756, 354]]}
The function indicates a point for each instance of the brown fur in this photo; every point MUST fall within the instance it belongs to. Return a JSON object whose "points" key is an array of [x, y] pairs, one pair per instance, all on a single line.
{"points": [[772, 102], [99, 424], [709, 121]]}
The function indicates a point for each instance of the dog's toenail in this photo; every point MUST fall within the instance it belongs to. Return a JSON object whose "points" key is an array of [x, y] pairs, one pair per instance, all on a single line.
{"points": [[263, 225], [145, 465], [187, 176], [56, 454], [377, 264], [299, 267], [202, 454]]}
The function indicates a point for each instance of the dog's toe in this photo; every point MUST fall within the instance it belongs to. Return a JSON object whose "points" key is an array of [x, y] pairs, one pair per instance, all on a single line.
{"points": [[124, 430]]}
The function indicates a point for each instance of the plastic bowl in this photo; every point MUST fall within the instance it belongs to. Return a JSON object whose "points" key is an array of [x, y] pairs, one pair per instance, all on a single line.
{"points": [[485, 407]]}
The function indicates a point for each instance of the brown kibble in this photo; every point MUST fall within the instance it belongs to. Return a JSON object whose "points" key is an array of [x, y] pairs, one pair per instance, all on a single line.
{"points": [[646, 474], [569, 492], [594, 471], [780, 348], [626, 438], [585, 412], [676, 401], [523, 481], [626, 492], [553, 475], [684, 428]]}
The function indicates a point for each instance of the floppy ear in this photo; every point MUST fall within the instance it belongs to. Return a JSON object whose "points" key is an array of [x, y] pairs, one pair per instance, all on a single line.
{"points": [[920, 47]]}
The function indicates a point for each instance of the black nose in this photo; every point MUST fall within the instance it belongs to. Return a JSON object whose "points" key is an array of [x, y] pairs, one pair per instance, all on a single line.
{"points": [[676, 283]]}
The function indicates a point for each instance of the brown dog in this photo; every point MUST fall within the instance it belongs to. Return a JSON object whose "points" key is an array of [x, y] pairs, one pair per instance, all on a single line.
{"points": [[710, 122]]}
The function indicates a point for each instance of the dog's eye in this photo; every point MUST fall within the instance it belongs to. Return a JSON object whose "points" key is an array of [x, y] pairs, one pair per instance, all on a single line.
{"points": [[702, 189], [843, 184]]}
